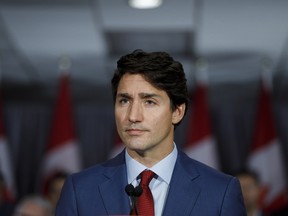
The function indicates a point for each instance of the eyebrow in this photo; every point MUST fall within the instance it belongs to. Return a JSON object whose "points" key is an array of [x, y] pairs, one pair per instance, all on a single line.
{"points": [[123, 95], [142, 95], [148, 95]]}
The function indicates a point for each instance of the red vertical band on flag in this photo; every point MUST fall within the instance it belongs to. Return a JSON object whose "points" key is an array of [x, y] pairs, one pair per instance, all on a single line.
{"points": [[200, 126], [200, 143], [6, 167], [63, 124], [265, 157], [62, 153], [265, 130]]}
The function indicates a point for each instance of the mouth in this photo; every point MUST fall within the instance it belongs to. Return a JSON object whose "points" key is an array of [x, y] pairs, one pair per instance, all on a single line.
{"points": [[135, 132]]}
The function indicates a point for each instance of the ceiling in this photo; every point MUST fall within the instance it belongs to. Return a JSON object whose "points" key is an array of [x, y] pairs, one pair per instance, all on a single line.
{"points": [[233, 35]]}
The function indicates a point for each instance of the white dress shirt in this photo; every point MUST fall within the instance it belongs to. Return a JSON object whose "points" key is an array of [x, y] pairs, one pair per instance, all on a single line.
{"points": [[159, 185]]}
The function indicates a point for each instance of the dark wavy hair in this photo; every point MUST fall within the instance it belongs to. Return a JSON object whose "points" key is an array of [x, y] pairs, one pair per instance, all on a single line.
{"points": [[157, 68]]}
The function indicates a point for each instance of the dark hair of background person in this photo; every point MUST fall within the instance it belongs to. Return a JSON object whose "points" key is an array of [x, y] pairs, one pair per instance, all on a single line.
{"points": [[58, 175], [157, 68]]}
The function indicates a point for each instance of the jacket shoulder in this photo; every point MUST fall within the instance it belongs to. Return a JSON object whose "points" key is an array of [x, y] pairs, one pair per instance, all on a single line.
{"points": [[100, 172], [205, 173]]}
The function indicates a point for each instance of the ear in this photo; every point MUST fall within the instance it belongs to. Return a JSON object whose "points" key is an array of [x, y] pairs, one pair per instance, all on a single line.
{"points": [[178, 113]]}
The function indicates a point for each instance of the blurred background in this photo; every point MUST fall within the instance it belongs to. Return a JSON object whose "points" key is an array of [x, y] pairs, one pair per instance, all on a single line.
{"points": [[232, 44]]}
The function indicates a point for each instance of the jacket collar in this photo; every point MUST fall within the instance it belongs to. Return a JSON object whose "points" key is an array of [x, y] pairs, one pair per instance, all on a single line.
{"points": [[183, 191], [113, 193]]}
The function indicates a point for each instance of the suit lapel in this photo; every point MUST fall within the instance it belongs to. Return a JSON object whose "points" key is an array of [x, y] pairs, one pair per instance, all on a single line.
{"points": [[113, 193], [183, 192], [182, 195]]}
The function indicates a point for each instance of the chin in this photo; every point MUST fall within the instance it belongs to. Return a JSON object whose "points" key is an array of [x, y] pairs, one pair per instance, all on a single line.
{"points": [[136, 146]]}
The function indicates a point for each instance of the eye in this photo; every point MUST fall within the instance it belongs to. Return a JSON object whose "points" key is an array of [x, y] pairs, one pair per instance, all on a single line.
{"points": [[123, 101], [150, 102]]}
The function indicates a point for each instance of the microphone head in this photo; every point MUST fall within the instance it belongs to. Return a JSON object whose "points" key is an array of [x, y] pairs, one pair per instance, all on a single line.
{"points": [[130, 189], [138, 191]]}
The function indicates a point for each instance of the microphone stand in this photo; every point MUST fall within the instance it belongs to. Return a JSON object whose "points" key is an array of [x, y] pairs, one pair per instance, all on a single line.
{"points": [[134, 210]]}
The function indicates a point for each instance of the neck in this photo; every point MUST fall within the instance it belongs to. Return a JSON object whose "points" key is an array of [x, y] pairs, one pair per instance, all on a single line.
{"points": [[150, 158]]}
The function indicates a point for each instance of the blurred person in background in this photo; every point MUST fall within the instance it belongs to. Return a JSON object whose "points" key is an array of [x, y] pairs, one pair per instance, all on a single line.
{"points": [[33, 205], [254, 193], [251, 190], [54, 187], [6, 207]]}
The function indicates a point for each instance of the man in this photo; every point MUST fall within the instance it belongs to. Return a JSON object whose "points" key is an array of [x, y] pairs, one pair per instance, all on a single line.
{"points": [[251, 190], [151, 97], [33, 205], [54, 187]]}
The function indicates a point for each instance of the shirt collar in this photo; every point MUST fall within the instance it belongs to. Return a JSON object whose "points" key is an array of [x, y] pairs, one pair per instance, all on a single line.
{"points": [[163, 168]]}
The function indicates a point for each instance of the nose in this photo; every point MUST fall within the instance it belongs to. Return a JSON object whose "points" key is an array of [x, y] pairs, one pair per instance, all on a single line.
{"points": [[135, 112]]}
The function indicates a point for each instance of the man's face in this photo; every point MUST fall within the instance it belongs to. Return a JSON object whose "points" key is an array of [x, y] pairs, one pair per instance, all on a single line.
{"points": [[31, 209], [250, 190], [144, 117], [55, 190]]}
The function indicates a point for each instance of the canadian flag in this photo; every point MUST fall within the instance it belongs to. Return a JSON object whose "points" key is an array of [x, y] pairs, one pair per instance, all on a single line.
{"points": [[5, 161], [200, 144], [62, 153], [265, 157]]}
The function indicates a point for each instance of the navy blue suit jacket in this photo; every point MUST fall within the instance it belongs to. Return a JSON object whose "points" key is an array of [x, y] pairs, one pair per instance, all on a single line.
{"points": [[195, 189]]}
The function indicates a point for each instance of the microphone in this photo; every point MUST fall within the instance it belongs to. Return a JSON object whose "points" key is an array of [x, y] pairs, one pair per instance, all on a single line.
{"points": [[138, 191], [133, 193], [130, 190]]}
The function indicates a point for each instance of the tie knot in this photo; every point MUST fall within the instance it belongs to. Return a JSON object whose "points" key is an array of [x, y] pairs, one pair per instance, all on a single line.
{"points": [[146, 177]]}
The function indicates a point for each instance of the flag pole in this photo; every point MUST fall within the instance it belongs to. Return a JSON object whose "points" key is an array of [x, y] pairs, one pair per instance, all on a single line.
{"points": [[267, 73], [201, 74], [64, 65]]}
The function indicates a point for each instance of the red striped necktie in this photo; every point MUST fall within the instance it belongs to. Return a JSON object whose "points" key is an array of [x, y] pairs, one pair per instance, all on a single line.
{"points": [[145, 202]]}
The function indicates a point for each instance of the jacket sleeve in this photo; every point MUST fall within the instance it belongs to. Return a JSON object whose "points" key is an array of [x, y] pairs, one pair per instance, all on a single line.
{"points": [[66, 205], [233, 203]]}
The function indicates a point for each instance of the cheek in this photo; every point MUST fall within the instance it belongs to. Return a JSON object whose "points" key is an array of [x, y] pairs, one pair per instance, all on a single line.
{"points": [[162, 120], [118, 116], [118, 125], [119, 122]]}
